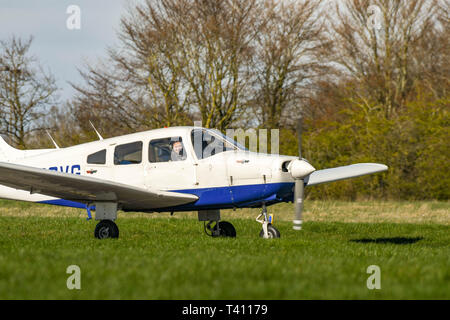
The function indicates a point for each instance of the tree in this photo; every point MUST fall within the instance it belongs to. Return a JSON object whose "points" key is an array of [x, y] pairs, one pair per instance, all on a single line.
{"points": [[215, 61], [387, 101], [288, 60], [177, 59], [26, 90], [384, 61], [215, 46]]}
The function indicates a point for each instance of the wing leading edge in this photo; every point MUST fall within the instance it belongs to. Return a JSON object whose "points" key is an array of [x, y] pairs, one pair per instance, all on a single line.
{"points": [[345, 172], [87, 189]]}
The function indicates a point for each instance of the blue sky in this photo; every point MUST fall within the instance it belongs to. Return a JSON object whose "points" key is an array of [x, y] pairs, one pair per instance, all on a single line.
{"points": [[59, 49]]}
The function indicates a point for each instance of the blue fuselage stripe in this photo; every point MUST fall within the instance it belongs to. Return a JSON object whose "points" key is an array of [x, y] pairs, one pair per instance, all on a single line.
{"points": [[219, 197]]}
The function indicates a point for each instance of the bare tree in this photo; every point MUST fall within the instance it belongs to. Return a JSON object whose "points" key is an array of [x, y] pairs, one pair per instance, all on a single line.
{"points": [[105, 100], [381, 59], [432, 55], [288, 60], [148, 60], [178, 59], [216, 42], [26, 90]]}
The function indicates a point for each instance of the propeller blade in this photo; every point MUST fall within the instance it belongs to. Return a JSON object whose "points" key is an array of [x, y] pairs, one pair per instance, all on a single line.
{"points": [[298, 198], [299, 169], [299, 136]]}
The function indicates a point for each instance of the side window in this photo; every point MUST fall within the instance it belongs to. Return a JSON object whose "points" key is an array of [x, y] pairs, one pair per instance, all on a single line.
{"points": [[167, 149], [130, 153], [97, 158]]}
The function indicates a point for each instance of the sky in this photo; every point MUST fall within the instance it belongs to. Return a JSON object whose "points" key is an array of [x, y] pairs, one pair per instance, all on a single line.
{"points": [[58, 48]]}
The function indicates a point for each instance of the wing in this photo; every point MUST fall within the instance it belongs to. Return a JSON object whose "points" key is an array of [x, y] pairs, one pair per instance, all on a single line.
{"points": [[346, 172], [87, 189]]}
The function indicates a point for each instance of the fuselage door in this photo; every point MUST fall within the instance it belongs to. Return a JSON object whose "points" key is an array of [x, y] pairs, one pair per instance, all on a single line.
{"points": [[169, 165]]}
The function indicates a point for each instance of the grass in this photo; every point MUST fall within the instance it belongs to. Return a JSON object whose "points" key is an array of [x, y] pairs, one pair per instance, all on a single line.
{"points": [[163, 257]]}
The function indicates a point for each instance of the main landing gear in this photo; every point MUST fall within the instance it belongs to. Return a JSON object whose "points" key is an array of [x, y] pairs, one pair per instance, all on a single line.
{"points": [[220, 228], [268, 230], [106, 228]]}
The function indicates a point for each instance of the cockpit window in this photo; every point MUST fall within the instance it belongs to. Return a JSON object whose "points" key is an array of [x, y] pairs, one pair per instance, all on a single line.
{"points": [[228, 139], [97, 158], [130, 153], [211, 142], [166, 149]]}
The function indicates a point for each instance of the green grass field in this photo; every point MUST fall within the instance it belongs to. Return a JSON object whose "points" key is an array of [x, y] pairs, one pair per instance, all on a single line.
{"points": [[163, 257]]}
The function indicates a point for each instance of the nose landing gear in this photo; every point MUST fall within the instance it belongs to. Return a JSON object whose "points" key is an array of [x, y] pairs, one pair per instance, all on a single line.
{"points": [[268, 230]]}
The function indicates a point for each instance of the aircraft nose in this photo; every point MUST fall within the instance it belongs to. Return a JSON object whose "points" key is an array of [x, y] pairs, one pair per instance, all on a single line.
{"points": [[300, 169]]}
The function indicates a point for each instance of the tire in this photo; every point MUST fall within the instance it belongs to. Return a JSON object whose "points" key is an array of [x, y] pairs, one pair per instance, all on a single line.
{"points": [[106, 229], [226, 229], [272, 231]]}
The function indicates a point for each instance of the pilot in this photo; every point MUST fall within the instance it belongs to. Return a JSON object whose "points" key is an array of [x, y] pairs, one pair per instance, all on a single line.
{"points": [[177, 151]]}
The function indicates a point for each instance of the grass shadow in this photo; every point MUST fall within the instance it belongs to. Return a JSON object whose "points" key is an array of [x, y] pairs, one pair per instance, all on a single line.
{"points": [[394, 240]]}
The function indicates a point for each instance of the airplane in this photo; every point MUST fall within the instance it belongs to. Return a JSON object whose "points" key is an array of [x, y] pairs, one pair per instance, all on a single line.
{"points": [[171, 169]]}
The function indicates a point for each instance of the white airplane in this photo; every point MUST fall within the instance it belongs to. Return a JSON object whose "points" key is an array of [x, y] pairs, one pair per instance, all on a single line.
{"points": [[164, 170]]}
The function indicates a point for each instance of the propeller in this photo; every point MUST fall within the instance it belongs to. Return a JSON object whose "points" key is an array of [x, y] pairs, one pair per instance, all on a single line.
{"points": [[299, 170]]}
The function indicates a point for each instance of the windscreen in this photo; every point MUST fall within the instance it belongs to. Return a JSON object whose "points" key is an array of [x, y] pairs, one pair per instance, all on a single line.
{"points": [[208, 142]]}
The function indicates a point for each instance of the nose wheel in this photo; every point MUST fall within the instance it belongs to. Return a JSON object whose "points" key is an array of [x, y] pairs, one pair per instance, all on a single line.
{"points": [[272, 232], [268, 230]]}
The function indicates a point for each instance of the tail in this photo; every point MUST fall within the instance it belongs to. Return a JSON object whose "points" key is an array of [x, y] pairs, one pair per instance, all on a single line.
{"points": [[8, 153]]}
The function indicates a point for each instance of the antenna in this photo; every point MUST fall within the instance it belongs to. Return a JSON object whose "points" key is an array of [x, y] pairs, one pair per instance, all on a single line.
{"points": [[98, 134], [51, 138]]}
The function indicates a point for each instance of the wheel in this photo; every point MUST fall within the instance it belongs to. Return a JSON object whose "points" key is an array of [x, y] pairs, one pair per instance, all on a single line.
{"points": [[106, 229], [272, 232], [226, 229]]}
